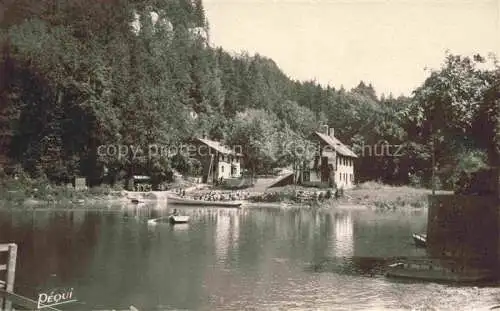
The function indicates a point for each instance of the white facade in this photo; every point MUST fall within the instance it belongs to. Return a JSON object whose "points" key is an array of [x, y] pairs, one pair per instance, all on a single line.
{"points": [[333, 157], [228, 166], [344, 174]]}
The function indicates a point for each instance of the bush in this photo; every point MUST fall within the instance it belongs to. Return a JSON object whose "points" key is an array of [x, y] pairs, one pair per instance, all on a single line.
{"points": [[328, 194], [415, 181], [468, 162], [101, 190], [21, 187]]}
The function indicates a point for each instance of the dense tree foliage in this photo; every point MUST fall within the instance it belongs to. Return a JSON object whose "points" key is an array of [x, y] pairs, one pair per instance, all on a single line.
{"points": [[78, 75]]}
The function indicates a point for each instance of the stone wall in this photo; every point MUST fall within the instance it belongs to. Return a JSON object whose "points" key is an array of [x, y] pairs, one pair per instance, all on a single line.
{"points": [[464, 227]]}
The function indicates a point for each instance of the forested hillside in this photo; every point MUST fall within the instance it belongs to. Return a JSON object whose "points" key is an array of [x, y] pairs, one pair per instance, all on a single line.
{"points": [[76, 75]]}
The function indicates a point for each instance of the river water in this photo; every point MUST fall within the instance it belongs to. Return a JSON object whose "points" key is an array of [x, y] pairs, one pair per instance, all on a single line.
{"points": [[224, 259]]}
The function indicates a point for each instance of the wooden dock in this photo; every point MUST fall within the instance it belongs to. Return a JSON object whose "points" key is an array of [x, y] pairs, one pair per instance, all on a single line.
{"points": [[9, 299]]}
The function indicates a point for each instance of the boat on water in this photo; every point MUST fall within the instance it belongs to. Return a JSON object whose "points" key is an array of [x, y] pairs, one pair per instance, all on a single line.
{"points": [[173, 219], [178, 219], [192, 202], [438, 271], [420, 239]]}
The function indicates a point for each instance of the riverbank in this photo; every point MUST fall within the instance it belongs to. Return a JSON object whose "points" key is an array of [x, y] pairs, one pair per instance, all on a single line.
{"points": [[26, 192], [29, 192], [380, 196], [366, 195]]}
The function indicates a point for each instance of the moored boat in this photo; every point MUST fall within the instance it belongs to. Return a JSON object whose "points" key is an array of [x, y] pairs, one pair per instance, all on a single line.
{"points": [[191, 202], [420, 239], [437, 271]]}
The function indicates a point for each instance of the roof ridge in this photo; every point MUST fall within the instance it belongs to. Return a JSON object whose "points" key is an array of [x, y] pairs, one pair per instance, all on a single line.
{"points": [[337, 144]]}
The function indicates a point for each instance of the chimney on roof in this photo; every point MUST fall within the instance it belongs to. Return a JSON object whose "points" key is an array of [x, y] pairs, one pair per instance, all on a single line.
{"points": [[331, 132], [324, 129], [204, 135]]}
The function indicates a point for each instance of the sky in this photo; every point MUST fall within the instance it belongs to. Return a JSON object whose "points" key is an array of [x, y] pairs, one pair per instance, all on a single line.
{"points": [[388, 43]]}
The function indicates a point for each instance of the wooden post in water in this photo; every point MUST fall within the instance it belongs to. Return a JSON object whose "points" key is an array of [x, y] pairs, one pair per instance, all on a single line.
{"points": [[11, 273]]}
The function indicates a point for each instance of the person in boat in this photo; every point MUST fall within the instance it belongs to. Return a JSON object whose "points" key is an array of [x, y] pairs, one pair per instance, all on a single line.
{"points": [[175, 212]]}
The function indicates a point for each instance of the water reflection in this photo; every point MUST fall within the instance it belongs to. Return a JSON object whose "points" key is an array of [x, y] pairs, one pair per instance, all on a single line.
{"points": [[222, 259], [342, 238], [227, 233]]}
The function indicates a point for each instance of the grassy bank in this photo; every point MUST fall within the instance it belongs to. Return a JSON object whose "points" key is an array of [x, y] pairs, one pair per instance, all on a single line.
{"points": [[388, 197], [25, 191], [370, 194]]}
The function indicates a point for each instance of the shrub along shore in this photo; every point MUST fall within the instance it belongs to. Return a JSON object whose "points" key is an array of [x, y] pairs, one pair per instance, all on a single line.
{"points": [[23, 191]]}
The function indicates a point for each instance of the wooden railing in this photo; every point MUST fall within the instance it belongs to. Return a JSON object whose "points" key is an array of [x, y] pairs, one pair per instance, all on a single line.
{"points": [[7, 296], [7, 285]]}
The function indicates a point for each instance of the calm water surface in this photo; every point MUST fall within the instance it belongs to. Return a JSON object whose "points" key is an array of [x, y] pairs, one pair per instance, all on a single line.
{"points": [[227, 260]]}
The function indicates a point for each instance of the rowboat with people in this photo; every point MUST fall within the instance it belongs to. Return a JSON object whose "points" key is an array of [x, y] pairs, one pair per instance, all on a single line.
{"points": [[178, 219], [173, 218]]}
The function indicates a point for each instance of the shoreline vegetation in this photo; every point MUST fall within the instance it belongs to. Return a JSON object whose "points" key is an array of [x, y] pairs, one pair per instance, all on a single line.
{"points": [[369, 195], [26, 192], [114, 88], [33, 192]]}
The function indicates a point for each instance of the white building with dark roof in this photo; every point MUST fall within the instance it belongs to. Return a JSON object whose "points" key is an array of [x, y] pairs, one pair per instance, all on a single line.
{"points": [[219, 161], [333, 161]]}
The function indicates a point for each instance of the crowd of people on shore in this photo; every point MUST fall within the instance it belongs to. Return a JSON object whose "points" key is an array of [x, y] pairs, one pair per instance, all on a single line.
{"points": [[216, 195], [299, 196]]}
